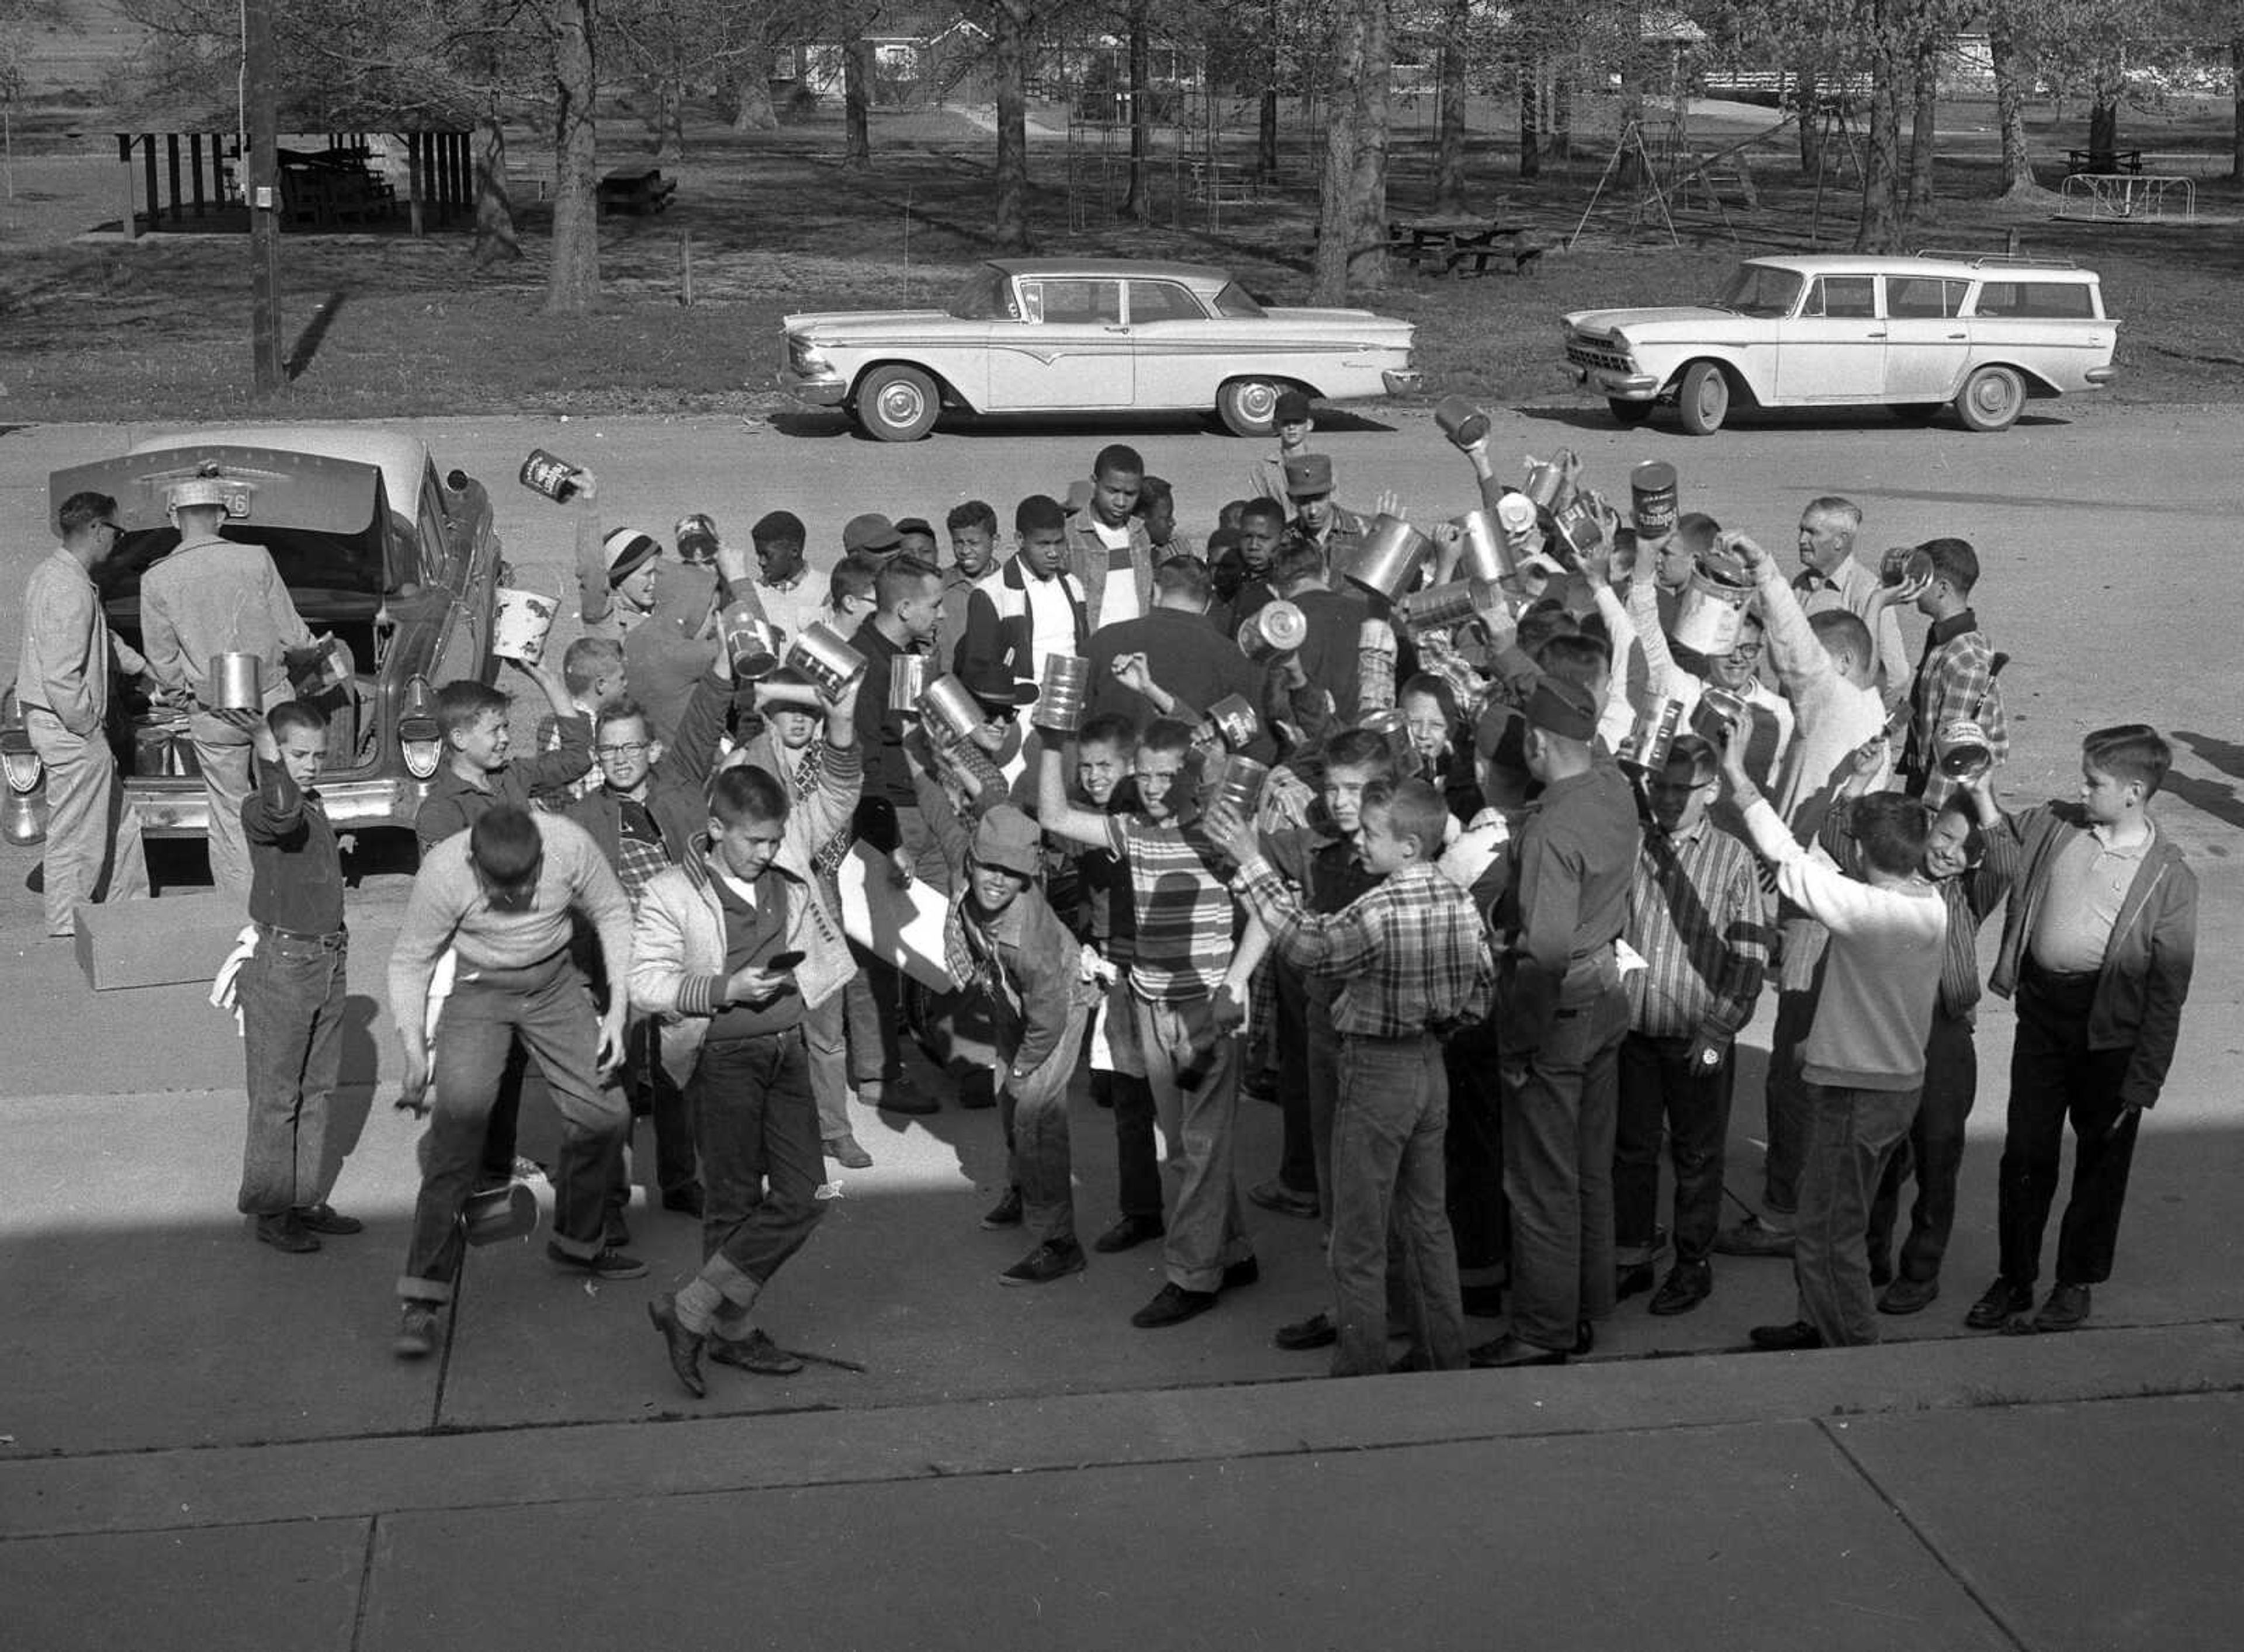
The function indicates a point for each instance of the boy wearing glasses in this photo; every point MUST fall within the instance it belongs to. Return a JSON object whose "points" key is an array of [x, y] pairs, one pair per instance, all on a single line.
{"points": [[503, 896]]}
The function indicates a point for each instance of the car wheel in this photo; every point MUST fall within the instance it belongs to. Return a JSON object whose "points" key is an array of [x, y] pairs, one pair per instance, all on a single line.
{"points": [[1630, 413], [1991, 399], [898, 404], [1703, 399], [1916, 412], [1248, 407]]}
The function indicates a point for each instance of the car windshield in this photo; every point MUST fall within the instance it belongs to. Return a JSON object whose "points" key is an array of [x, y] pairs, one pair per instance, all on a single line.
{"points": [[1234, 300], [1756, 290], [986, 296]]}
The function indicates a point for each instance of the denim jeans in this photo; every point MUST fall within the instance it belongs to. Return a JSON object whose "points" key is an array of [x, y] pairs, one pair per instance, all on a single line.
{"points": [[1387, 1165], [760, 1156], [1558, 1173], [2056, 1077], [291, 994], [1851, 1134], [1033, 1112], [93, 851], [657, 1097], [1660, 1089], [1192, 1071], [826, 1046], [1297, 1157], [1785, 1094], [1933, 1151], [549, 1008], [1136, 1157]]}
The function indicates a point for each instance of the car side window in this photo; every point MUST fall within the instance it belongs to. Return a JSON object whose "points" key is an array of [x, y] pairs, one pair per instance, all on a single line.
{"points": [[1843, 297], [1162, 301], [1922, 297], [1081, 301]]}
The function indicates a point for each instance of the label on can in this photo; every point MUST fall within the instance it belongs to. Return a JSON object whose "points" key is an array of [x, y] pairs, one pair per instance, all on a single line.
{"points": [[548, 473]]}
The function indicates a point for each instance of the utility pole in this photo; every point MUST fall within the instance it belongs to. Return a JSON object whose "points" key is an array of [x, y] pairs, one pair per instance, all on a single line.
{"points": [[264, 194]]}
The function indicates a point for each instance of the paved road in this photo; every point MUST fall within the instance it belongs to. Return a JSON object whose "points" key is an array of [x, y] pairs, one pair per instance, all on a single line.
{"points": [[155, 1358]]}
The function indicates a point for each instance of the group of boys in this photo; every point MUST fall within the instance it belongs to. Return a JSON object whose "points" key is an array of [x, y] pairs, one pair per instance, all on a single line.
{"points": [[1486, 904]]}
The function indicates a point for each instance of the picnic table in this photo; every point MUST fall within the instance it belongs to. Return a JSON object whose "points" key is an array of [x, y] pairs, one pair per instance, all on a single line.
{"points": [[640, 190], [1450, 239]]}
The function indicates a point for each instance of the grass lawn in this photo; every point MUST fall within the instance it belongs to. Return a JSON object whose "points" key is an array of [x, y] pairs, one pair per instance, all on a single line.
{"points": [[383, 325]]}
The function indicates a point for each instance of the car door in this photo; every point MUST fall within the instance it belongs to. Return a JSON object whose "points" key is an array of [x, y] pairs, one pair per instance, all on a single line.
{"points": [[1072, 350], [1833, 350], [1180, 362], [1926, 340]]}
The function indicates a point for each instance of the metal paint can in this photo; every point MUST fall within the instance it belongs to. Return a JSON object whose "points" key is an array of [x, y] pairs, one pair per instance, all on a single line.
{"points": [[826, 660], [234, 682], [1483, 552], [1445, 605], [1964, 752], [1238, 785], [1388, 560], [1064, 694], [1655, 735], [520, 622], [550, 475], [1391, 726], [1236, 719], [500, 1213], [1461, 421], [752, 643], [1903, 566], [950, 710], [1654, 500], [1717, 715], [1711, 614], [1275, 629], [1574, 530], [1546, 478], [907, 681]]}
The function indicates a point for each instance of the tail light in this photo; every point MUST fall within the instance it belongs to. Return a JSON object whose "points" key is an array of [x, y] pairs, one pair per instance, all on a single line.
{"points": [[24, 804], [420, 742]]}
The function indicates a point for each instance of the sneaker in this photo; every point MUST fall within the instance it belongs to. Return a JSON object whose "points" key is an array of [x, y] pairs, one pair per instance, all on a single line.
{"points": [[754, 1352], [1752, 1237], [1274, 1194], [1997, 1304], [844, 1151], [285, 1232], [605, 1264], [417, 1331], [1908, 1296], [2066, 1308], [1128, 1233], [1173, 1306], [1006, 1213], [325, 1218], [1054, 1259]]}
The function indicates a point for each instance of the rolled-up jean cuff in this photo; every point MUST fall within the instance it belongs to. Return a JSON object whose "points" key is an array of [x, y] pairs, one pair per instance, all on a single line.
{"points": [[431, 1291], [582, 1249], [734, 1282]]}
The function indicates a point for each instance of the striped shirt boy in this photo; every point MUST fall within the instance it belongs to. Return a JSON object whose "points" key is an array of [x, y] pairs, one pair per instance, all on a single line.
{"points": [[1697, 915]]}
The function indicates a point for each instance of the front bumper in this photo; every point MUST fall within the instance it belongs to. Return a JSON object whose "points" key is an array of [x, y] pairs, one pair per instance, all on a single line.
{"points": [[822, 389], [1619, 387], [1402, 381], [352, 805]]}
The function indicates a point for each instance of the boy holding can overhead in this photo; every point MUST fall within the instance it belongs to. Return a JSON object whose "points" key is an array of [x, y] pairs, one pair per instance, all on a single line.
{"points": [[1188, 993], [1411, 962]]}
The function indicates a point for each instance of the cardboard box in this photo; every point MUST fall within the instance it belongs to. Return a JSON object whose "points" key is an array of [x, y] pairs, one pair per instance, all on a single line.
{"points": [[158, 943]]}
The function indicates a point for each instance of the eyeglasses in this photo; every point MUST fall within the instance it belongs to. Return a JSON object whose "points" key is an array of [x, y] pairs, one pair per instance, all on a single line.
{"points": [[1745, 651], [629, 748]]}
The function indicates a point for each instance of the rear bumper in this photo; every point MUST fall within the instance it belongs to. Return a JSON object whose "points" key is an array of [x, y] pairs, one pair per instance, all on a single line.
{"points": [[1403, 381], [352, 805], [2099, 376]]}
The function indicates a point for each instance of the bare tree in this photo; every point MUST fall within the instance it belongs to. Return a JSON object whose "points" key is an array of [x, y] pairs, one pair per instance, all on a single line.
{"points": [[1924, 128], [1137, 202], [857, 100], [573, 280], [1009, 22], [2009, 56], [1454, 87]]}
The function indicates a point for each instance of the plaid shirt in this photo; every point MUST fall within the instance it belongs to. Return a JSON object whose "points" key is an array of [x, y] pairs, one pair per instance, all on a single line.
{"points": [[1410, 955], [1697, 915], [1954, 682]]}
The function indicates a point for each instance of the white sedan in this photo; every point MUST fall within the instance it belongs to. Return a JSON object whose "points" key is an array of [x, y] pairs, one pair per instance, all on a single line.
{"points": [[1055, 336]]}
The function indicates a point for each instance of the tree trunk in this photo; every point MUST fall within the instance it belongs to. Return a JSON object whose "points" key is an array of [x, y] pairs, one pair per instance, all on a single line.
{"points": [[2236, 108], [1879, 229], [1530, 156], [1449, 128], [1335, 209], [495, 237], [2011, 105], [752, 100], [670, 116], [1266, 137], [1561, 146], [1811, 124], [1138, 204], [1008, 35], [1367, 264], [856, 99], [1922, 129], [573, 281]]}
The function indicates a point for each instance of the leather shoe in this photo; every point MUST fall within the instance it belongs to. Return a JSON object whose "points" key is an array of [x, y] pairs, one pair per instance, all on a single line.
{"points": [[900, 1098], [285, 1232], [1635, 1280], [754, 1352], [1173, 1306], [1997, 1303], [417, 1331], [1006, 1213], [1688, 1284], [684, 1346], [686, 1200], [1241, 1273], [1128, 1233], [1586, 1338], [1301, 1335], [1054, 1259], [325, 1218], [1274, 1194], [845, 1151], [1507, 1352], [1752, 1237], [1785, 1339], [1908, 1296], [2066, 1310]]}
